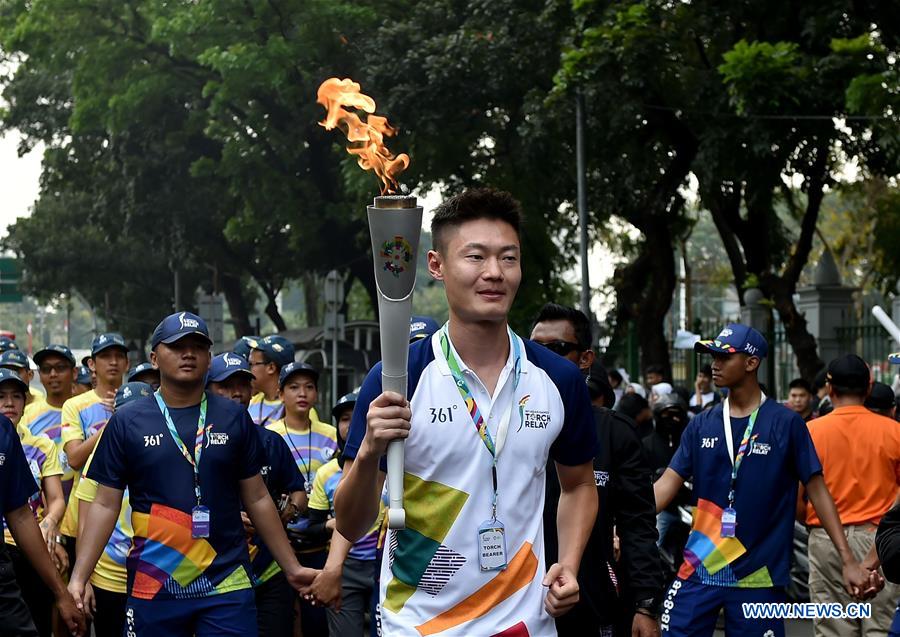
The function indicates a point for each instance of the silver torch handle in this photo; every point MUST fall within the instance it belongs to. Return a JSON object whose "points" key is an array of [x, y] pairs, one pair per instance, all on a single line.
{"points": [[395, 226]]}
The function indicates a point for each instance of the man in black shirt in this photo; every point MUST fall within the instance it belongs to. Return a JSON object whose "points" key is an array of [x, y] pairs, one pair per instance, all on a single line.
{"points": [[617, 596]]}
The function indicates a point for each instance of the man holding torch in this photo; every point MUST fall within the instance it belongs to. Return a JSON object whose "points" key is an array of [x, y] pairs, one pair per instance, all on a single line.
{"points": [[484, 410]]}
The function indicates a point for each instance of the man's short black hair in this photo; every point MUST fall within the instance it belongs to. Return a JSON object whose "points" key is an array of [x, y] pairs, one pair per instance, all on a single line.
{"points": [[470, 205], [632, 404], [654, 369], [615, 375], [800, 383], [820, 380], [706, 370], [580, 323]]}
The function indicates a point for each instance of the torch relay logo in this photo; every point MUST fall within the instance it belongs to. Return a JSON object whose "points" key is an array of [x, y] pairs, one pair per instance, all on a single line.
{"points": [[397, 254]]}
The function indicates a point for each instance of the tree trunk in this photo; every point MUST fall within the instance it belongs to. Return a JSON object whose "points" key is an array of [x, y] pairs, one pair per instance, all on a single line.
{"points": [[237, 305], [657, 289], [311, 298], [273, 313], [644, 290], [804, 344], [362, 270]]}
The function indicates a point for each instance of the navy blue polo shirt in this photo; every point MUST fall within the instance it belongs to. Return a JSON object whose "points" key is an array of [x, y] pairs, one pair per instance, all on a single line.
{"points": [[780, 456], [136, 451], [17, 484], [281, 475]]}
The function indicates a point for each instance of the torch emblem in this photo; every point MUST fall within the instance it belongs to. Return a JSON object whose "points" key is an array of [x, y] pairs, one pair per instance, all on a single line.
{"points": [[397, 253]]}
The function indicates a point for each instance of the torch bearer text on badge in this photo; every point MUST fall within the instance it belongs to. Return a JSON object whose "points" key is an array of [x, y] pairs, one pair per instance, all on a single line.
{"points": [[395, 225]]}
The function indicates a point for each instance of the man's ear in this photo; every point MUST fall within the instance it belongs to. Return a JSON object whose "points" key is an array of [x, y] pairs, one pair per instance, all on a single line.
{"points": [[153, 360], [435, 265], [91, 365], [586, 359], [752, 363]]}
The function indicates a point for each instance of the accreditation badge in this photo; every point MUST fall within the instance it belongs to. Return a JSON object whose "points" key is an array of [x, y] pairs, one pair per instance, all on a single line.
{"points": [[200, 522], [492, 546], [729, 522]]}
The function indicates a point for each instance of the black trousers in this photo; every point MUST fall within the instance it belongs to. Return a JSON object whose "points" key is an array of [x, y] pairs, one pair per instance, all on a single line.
{"points": [[275, 607], [109, 620], [313, 618], [37, 596], [16, 619]]}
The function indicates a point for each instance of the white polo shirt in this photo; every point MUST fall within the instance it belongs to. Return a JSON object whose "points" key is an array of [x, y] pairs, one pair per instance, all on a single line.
{"points": [[431, 581]]}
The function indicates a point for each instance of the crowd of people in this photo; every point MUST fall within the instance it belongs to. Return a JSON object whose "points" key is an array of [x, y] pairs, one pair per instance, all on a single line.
{"points": [[215, 495]]}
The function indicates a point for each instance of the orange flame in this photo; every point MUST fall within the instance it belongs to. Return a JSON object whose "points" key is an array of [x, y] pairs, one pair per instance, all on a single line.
{"points": [[366, 137]]}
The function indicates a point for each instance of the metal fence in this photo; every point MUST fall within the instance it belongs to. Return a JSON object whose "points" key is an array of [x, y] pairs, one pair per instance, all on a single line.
{"points": [[873, 344]]}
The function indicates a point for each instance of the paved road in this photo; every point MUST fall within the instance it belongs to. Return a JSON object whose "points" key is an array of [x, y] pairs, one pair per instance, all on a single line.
{"points": [[793, 628]]}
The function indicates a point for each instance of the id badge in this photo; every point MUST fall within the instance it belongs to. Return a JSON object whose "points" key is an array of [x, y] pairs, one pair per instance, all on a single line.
{"points": [[729, 522], [492, 546], [308, 487], [200, 522]]}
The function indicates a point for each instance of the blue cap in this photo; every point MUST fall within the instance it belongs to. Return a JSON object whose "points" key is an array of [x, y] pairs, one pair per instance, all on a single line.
{"points": [[105, 341], [84, 375], [6, 343], [735, 339], [7, 375], [296, 368], [14, 358], [226, 365], [894, 358], [132, 391], [176, 326], [421, 327], [347, 400], [139, 369], [245, 344], [59, 350], [277, 349]]}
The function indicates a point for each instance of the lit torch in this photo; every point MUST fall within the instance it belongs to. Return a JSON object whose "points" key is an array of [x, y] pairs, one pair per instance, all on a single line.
{"points": [[395, 224]]}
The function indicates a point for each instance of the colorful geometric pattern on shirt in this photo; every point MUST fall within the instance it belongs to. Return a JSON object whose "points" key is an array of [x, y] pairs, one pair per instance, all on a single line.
{"points": [[110, 573], [82, 417], [164, 556], [431, 509], [43, 461], [310, 450], [518, 574], [710, 555], [265, 412], [44, 419], [322, 499]]}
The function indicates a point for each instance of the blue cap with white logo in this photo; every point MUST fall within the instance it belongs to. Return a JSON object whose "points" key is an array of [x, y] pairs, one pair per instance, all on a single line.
{"points": [[14, 358], [244, 345], [277, 349], [137, 370], [130, 392], [105, 341], [6, 343], [735, 339], [84, 376], [347, 401], [293, 369], [57, 350], [421, 327], [176, 326], [227, 365], [9, 376]]}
